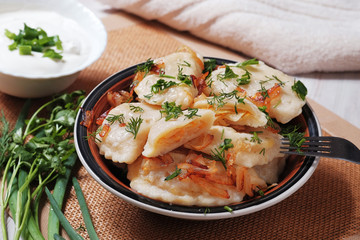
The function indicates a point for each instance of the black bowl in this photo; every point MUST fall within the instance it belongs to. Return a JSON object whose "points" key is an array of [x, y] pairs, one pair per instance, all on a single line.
{"points": [[297, 170]]}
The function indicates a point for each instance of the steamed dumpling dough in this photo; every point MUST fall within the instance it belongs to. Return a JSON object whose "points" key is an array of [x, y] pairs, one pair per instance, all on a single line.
{"points": [[147, 176], [283, 107], [174, 64], [118, 144], [165, 136], [233, 113], [247, 150]]}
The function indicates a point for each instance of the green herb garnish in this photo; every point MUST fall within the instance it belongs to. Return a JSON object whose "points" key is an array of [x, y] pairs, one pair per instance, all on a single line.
{"points": [[300, 89], [209, 66], [93, 135], [260, 192], [115, 118], [218, 101], [186, 79], [228, 74], [35, 39], [146, 67], [207, 210], [219, 153], [148, 96], [174, 174], [264, 92], [245, 78], [192, 113], [171, 110], [255, 137], [249, 62], [227, 208], [185, 64], [270, 121], [262, 151], [136, 109], [134, 125], [161, 85], [37, 152], [296, 138], [162, 74]]}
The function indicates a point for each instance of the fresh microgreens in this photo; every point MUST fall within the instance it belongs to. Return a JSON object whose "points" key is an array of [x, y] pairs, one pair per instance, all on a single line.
{"points": [[171, 110], [174, 174], [136, 109], [115, 118], [35, 39], [219, 153], [133, 125], [255, 137], [296, 138], [161, 85], [146, 67], [300, 89]]}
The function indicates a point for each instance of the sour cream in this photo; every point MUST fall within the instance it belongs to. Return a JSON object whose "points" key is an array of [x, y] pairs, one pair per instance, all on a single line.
{"points": [[75, 42]]}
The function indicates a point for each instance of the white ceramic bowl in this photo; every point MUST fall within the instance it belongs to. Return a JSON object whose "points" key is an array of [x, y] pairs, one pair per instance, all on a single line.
{"points": [[297, 170], [41, 85]]}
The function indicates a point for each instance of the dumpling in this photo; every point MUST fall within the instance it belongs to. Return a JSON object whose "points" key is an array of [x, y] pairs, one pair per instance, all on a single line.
{"points": [[198, 180], [123, 133], [174, 81], [231, 112], [165, 136], [248, 149], [265, 86]]}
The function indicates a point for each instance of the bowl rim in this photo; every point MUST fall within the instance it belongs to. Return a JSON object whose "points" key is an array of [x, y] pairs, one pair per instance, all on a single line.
{"points": [[197, 213], [94, 21]]}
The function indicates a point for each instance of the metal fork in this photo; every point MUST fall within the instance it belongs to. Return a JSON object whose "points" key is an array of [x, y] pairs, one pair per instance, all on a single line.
{"points": [[330, 147]]}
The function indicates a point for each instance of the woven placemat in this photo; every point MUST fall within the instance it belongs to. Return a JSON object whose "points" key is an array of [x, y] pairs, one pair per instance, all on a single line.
{"points": [[326, 207]]}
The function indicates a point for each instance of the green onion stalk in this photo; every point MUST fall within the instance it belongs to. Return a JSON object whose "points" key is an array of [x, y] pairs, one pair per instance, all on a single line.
{"points": [[35, 153]]}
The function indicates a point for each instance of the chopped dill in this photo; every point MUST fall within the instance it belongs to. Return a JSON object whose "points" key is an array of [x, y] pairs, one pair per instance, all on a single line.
{"points": [[134, 125], [136, 109]]}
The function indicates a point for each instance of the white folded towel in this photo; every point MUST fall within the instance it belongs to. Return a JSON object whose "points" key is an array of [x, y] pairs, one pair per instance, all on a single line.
{"points": [[295, 36]]}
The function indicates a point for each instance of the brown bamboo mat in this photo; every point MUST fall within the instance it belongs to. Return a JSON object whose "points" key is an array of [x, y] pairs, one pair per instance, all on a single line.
{"points": [[326, 207]]}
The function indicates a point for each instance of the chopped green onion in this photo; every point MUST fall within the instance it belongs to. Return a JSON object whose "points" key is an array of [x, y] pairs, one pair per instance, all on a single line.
{"points": [[64, 222], [174, 174], [84, 210], [35, 39], [227, 208], [25, 50]]}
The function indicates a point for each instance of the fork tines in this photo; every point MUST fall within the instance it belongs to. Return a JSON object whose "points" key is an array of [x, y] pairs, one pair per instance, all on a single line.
{"points": [[311, 145]]}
